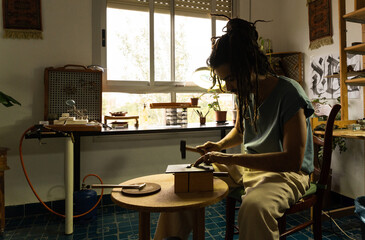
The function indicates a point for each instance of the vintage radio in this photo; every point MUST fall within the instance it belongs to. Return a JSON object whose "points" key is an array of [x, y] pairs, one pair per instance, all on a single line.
{"points": [[72, 82]]}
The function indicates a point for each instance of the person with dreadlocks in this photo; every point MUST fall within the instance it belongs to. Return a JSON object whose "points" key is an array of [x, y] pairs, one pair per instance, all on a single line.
{"points": [[272, 123]]}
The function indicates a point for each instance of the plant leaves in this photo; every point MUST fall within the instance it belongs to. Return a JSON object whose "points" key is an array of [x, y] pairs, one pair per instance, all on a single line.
{"points": [[8, 101]]}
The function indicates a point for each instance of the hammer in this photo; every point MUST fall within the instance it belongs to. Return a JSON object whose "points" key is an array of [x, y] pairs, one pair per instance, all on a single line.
{"points": [[184, 147]]}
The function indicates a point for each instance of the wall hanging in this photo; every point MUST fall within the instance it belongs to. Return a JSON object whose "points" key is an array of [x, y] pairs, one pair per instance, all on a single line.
{"points": [[320, 23], [22, 19]]}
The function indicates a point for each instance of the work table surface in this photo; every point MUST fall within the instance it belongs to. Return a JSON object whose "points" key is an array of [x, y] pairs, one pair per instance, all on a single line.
{"points": [[143, 130]]}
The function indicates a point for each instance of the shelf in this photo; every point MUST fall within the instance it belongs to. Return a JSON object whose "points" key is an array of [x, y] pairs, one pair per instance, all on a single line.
{"points": [[282, 53], [349, 74], [172, 105], [357, 16], [357, 49], [356, 82]]}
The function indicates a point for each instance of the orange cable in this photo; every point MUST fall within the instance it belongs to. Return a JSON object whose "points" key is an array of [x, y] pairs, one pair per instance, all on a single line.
{"points": [[35, 193]]}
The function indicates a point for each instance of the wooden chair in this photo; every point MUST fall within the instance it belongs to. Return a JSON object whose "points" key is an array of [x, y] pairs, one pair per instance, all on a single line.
{"points": [[313, 198]]}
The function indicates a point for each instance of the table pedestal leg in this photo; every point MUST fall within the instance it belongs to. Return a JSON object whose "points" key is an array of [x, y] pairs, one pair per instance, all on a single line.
{"points": [[199, 224], [69, 181], [144, 225]]}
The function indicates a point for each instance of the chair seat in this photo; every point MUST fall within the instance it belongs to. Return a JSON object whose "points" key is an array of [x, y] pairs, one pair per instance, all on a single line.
{"points": [[312, 190]]}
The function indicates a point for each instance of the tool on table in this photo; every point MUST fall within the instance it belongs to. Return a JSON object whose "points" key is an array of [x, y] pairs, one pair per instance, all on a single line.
{"points": [[184, 147], [190, 168], [132, 186], [207, 167]]}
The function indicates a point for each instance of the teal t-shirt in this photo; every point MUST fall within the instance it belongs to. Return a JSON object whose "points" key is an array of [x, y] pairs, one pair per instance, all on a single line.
{"points": [[283, 103]]}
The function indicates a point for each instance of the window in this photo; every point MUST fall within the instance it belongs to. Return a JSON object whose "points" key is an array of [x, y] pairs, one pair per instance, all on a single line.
{"points": [[152, 49]]}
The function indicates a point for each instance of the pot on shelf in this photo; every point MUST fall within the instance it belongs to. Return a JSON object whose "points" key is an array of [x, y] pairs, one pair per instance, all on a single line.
{"points": [[221, 116], [194, 101]]}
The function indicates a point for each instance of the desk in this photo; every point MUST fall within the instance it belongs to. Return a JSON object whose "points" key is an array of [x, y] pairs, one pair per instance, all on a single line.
{"points": [[166, 200], [191, 127], [345, 133], [73, 158]]}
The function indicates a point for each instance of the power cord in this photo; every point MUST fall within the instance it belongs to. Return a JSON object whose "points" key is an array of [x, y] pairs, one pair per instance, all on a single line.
{"points": [[332, 220]]}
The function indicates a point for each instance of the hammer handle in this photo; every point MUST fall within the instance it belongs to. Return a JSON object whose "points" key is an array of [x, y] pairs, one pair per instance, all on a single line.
{"points": [[193, 149]]}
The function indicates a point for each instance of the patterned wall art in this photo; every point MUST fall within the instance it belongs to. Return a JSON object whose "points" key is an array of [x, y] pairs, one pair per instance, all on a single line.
{"points": [[22, 19], [322, 86]]}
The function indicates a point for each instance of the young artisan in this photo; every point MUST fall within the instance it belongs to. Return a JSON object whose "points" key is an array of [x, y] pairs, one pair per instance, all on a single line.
{"points": [[272, 122]]}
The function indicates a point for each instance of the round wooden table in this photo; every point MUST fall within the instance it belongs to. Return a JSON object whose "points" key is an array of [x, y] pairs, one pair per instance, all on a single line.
{"points": [[166, 200]]}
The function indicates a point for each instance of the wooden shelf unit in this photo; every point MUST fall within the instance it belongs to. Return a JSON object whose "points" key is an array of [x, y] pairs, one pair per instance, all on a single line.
{"points": [[356, 82], [356, 16]]}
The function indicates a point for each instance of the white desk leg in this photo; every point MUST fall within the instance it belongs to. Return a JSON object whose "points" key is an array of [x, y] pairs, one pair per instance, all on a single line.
{"points": [[69, 187]]}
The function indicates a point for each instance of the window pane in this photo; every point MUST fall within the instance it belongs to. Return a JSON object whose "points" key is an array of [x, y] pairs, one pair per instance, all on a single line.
{"points": [[162, 47], [220, 26], [225, 101], [134, 105], [192, 45], [128, 45]]}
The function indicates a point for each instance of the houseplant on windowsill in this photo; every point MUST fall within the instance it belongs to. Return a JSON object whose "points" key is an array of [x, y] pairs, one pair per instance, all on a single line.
{"points": [[220, 115]]}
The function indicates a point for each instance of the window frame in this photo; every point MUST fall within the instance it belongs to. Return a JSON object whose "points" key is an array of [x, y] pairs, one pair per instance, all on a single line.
{"points": [[99, 55]]}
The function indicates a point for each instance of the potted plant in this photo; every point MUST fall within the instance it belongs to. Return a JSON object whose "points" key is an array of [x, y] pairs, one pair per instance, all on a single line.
{"points": [[220, 115], [202, 116], [194, 101], [7, 101]]}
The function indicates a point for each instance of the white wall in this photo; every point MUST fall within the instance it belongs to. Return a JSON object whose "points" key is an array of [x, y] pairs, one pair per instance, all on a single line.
{"points": [[67, 40], [289, 31]]}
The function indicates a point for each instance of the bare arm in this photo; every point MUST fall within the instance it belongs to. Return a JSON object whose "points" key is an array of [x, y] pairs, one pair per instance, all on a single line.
{"points": [[232, 139], [289, 160]]}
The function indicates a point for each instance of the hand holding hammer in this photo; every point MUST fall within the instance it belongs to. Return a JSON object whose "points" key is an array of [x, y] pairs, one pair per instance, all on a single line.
{"points": [[184, 147]]}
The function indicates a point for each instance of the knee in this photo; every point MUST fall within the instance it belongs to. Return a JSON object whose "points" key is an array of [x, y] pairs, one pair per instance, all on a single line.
{"points": [[252, 208]]}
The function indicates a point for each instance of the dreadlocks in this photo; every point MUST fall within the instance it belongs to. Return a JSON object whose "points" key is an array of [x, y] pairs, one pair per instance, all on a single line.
{"points": [[238, 47]]}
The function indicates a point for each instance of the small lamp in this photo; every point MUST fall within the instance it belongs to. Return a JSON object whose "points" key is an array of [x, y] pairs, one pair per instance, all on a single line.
{"points": [[201, 77]]}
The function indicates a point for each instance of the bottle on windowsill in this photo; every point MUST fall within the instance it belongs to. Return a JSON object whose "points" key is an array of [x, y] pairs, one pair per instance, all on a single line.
{"points": [[144, 116]]}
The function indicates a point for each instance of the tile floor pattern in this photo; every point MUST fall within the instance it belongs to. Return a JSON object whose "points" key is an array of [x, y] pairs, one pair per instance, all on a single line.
{"points": [[114, 223]]}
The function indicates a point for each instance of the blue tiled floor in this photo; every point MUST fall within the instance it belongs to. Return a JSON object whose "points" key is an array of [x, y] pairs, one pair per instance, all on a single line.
{"points": [[113, 223]]}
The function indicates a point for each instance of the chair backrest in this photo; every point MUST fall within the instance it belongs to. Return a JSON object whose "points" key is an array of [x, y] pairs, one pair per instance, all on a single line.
{"points": [[327, 148]]}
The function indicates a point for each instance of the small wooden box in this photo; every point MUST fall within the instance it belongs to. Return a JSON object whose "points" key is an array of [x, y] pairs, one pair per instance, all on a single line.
{"points": [[191, 179], [181, 183], [201, 182]]}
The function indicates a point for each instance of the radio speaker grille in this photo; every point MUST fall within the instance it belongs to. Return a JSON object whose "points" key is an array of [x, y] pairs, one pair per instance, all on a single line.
{"points": [[84, 86]]}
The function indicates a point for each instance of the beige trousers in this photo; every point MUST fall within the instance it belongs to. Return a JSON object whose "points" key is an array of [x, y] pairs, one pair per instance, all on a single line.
{"points": [[268, 195]]}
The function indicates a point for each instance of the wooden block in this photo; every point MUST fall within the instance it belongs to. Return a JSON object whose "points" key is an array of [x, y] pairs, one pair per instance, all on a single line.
{"points": [[181, 182], [201, 182]]}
